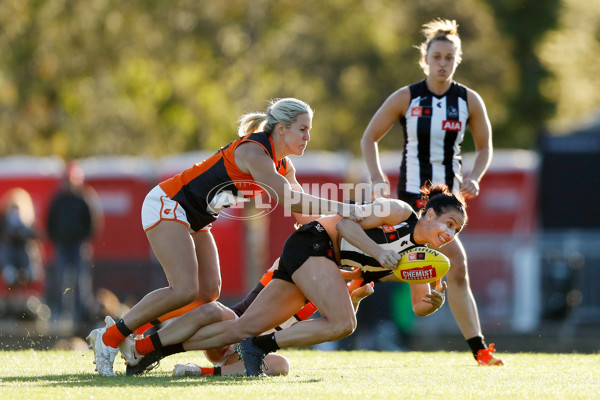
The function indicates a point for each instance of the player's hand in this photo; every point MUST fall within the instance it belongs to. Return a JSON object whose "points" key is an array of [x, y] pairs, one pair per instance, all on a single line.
{"points": [[388, 258], [354, 212], [437, 297], [380, 188], [469, 188], [361, 292]]}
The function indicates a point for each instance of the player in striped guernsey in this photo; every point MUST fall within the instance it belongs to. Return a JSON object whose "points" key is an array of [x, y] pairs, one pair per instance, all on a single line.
{"points": [[308, 270], [434, 115], [397, 238]]}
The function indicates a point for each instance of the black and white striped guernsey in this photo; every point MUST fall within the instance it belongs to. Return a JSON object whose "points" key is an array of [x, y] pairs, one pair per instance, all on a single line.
{"points": [[434, 128], [398, 238]]}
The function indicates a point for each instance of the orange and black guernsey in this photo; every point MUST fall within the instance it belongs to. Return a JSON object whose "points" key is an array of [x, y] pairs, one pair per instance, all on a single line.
{"points": [[217, 183]]}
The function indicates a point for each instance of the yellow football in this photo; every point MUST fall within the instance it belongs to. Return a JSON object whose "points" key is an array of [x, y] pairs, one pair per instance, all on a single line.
{"points": [[421, 265]]}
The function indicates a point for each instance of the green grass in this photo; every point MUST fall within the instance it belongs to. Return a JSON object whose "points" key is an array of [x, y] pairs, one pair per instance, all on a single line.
{"points": [[315, 375]]}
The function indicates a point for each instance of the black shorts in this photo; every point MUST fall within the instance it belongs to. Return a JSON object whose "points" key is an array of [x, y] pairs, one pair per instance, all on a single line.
{"points": [[410, 198], [311, 240]]}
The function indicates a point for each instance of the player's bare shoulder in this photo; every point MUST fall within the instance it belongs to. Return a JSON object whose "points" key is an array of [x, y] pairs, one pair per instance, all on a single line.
{"points": [[250, 154], [399, 100], [474, 100]]}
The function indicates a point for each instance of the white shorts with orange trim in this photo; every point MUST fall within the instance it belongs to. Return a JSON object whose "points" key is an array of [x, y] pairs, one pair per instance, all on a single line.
{"points": [[159, 207]]}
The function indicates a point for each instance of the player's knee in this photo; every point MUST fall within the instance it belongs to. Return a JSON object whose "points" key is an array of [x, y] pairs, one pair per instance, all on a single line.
{"points": [[276, 365], [342, 328], [212, 311], [184, 294], [218, 312], [352, 325], [226, 313], [207, 297], [209, 291]]}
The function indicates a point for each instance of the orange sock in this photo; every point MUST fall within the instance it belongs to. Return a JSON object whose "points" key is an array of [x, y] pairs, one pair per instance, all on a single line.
{"points": [[307, 311], [207, 370], [113, 337], [144, 346], [180, 311], [143, 328], [266, 278]]}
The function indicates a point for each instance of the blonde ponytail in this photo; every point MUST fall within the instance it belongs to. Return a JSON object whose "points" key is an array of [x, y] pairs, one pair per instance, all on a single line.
{"points": [[284, 110]]}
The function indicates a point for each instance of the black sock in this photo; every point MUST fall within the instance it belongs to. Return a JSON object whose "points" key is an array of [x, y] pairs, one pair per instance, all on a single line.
{"points": [[266, 343], [172, 349], [156, 341], [121, 327], [217, 371], [476, 343]]}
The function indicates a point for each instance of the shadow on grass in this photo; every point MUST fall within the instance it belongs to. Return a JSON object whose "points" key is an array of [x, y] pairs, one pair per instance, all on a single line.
{"points": [[92, 380]]}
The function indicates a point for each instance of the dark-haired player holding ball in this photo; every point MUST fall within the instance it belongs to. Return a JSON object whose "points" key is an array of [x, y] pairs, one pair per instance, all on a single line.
{"points": [[309, 270]]}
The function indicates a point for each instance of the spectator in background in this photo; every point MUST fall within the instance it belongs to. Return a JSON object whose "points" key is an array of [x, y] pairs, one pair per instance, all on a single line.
{"points": [[73, 219], [20, 257]]}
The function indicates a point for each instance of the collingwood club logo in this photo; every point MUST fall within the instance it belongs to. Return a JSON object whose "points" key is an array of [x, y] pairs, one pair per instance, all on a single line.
{"points": [[452, 112]]}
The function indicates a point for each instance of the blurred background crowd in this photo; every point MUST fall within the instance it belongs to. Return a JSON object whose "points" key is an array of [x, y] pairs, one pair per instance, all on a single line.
{"points": [[100, 100]]}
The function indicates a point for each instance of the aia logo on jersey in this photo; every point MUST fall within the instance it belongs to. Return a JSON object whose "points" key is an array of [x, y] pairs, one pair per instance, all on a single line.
{"points": [[416, 256], [421, 111], [454, 126]]}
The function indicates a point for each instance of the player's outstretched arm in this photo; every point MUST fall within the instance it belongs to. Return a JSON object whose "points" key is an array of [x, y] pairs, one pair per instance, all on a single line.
{"points": [[425, 300]]}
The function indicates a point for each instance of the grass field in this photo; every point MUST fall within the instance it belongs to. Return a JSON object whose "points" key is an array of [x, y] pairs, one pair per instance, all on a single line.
{"points": [[315, 375]]}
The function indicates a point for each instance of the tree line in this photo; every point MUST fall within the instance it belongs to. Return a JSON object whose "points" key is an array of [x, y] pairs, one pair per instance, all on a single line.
{"points": [[150, 77]]}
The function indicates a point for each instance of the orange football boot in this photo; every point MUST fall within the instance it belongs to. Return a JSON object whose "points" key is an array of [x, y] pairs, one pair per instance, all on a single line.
{"points": [[485, 356]]}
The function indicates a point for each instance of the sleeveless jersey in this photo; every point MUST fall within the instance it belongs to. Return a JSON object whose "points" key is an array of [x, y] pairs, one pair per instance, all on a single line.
{"points": [[216, 183], [434, 128], [398, 238]]}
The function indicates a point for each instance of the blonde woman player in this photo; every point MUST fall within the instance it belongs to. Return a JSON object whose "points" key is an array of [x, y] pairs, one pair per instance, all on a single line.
{"points": [[177, 215]]}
